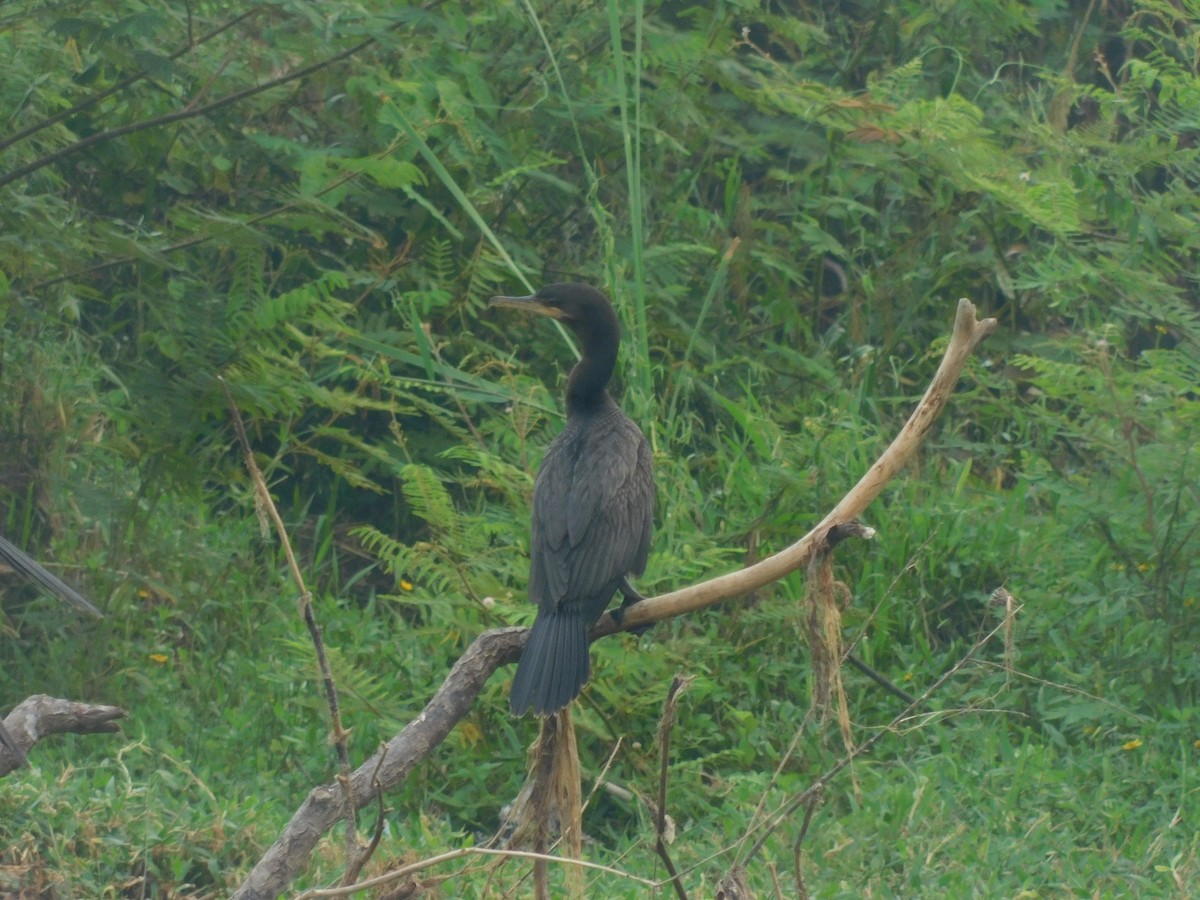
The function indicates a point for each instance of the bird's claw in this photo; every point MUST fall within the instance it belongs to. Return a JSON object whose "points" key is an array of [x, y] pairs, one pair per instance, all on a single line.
{"points": [[631, 596]]}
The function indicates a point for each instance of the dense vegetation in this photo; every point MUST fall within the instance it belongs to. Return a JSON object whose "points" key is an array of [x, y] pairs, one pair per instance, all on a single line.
{"points": [[313, 202]]}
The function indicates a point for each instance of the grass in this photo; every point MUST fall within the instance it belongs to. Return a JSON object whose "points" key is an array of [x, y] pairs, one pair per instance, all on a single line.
{"points": [[1073, 774], [227, 735]]}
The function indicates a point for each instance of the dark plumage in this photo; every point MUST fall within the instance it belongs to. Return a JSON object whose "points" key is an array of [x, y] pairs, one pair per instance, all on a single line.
{"points": [[25, 565], [593, 507]]}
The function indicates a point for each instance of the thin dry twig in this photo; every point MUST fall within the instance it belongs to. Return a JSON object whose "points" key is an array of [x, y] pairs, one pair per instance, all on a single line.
{"points": [[798, 846], [819, 784], [93, 99], [810, 715], [602, 779], [357, 861], [661, 837], [325, 803], [396, 874], [267, 504]]}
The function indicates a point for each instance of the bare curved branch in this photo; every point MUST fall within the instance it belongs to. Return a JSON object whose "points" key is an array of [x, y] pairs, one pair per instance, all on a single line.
{"points": [[968, 332], [325, 804], [492, 649]]}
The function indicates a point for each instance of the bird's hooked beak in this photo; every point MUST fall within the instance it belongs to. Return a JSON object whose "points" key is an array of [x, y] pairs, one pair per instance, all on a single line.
{"points": [[532, 303]]}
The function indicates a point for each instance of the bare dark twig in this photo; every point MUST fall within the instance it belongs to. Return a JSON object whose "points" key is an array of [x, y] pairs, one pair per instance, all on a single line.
{"points": [[798, 846], [180, 114], [819, 785], [678, 685], [130, 80], [355, 865], [197, 240], [879, 679]]}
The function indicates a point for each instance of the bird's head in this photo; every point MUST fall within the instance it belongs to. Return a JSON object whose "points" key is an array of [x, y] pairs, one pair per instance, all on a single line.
{"points": [[579, 306], [588, 313]]}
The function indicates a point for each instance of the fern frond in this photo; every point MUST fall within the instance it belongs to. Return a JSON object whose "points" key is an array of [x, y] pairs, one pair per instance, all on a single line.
{"points": [[429, 500]]}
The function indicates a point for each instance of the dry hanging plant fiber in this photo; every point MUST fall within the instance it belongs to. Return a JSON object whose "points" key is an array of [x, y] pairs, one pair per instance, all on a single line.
{"points": [[822, 594], [551, 801]]}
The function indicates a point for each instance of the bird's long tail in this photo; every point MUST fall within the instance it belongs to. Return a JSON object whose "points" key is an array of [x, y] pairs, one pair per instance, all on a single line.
{"points": [[31, 569], [554, 666]]}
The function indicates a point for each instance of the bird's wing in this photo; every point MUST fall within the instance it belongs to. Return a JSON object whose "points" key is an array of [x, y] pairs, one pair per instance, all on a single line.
{"points": [[548, 535], [641, 524], [593, 506]]}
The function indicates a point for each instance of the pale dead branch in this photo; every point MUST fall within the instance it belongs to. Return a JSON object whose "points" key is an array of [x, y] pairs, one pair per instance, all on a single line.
{"points": [[290, 853], [39, 716]]}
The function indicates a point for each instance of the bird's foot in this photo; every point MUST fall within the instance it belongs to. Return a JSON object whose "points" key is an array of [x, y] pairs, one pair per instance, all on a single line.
{"points": [[630, 596]]}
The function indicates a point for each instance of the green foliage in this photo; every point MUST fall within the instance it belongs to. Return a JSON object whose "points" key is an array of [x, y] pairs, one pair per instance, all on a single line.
{"points": [[308, 206]]}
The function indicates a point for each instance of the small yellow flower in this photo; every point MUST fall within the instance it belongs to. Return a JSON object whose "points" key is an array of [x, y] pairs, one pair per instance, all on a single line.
{"points": [[908, 676], [470, 734], [1144, 567], [405, 584], [1190, 601], [1132, 745], [159, 658]]}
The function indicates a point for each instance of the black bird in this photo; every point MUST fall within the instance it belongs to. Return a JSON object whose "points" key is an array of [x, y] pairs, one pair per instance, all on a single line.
{"points": [[593, 507], [23, 564]]}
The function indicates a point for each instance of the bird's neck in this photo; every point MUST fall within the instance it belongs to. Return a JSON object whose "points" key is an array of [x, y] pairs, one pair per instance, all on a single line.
{"points": [[588, 380]]}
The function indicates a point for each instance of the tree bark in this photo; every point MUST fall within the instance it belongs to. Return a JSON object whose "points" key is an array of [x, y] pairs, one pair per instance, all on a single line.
{"points": [[39, 716]]}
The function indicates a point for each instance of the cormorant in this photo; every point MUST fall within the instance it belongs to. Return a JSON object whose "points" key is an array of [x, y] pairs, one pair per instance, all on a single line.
{"points": [[23, 564], [593, 506]]}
